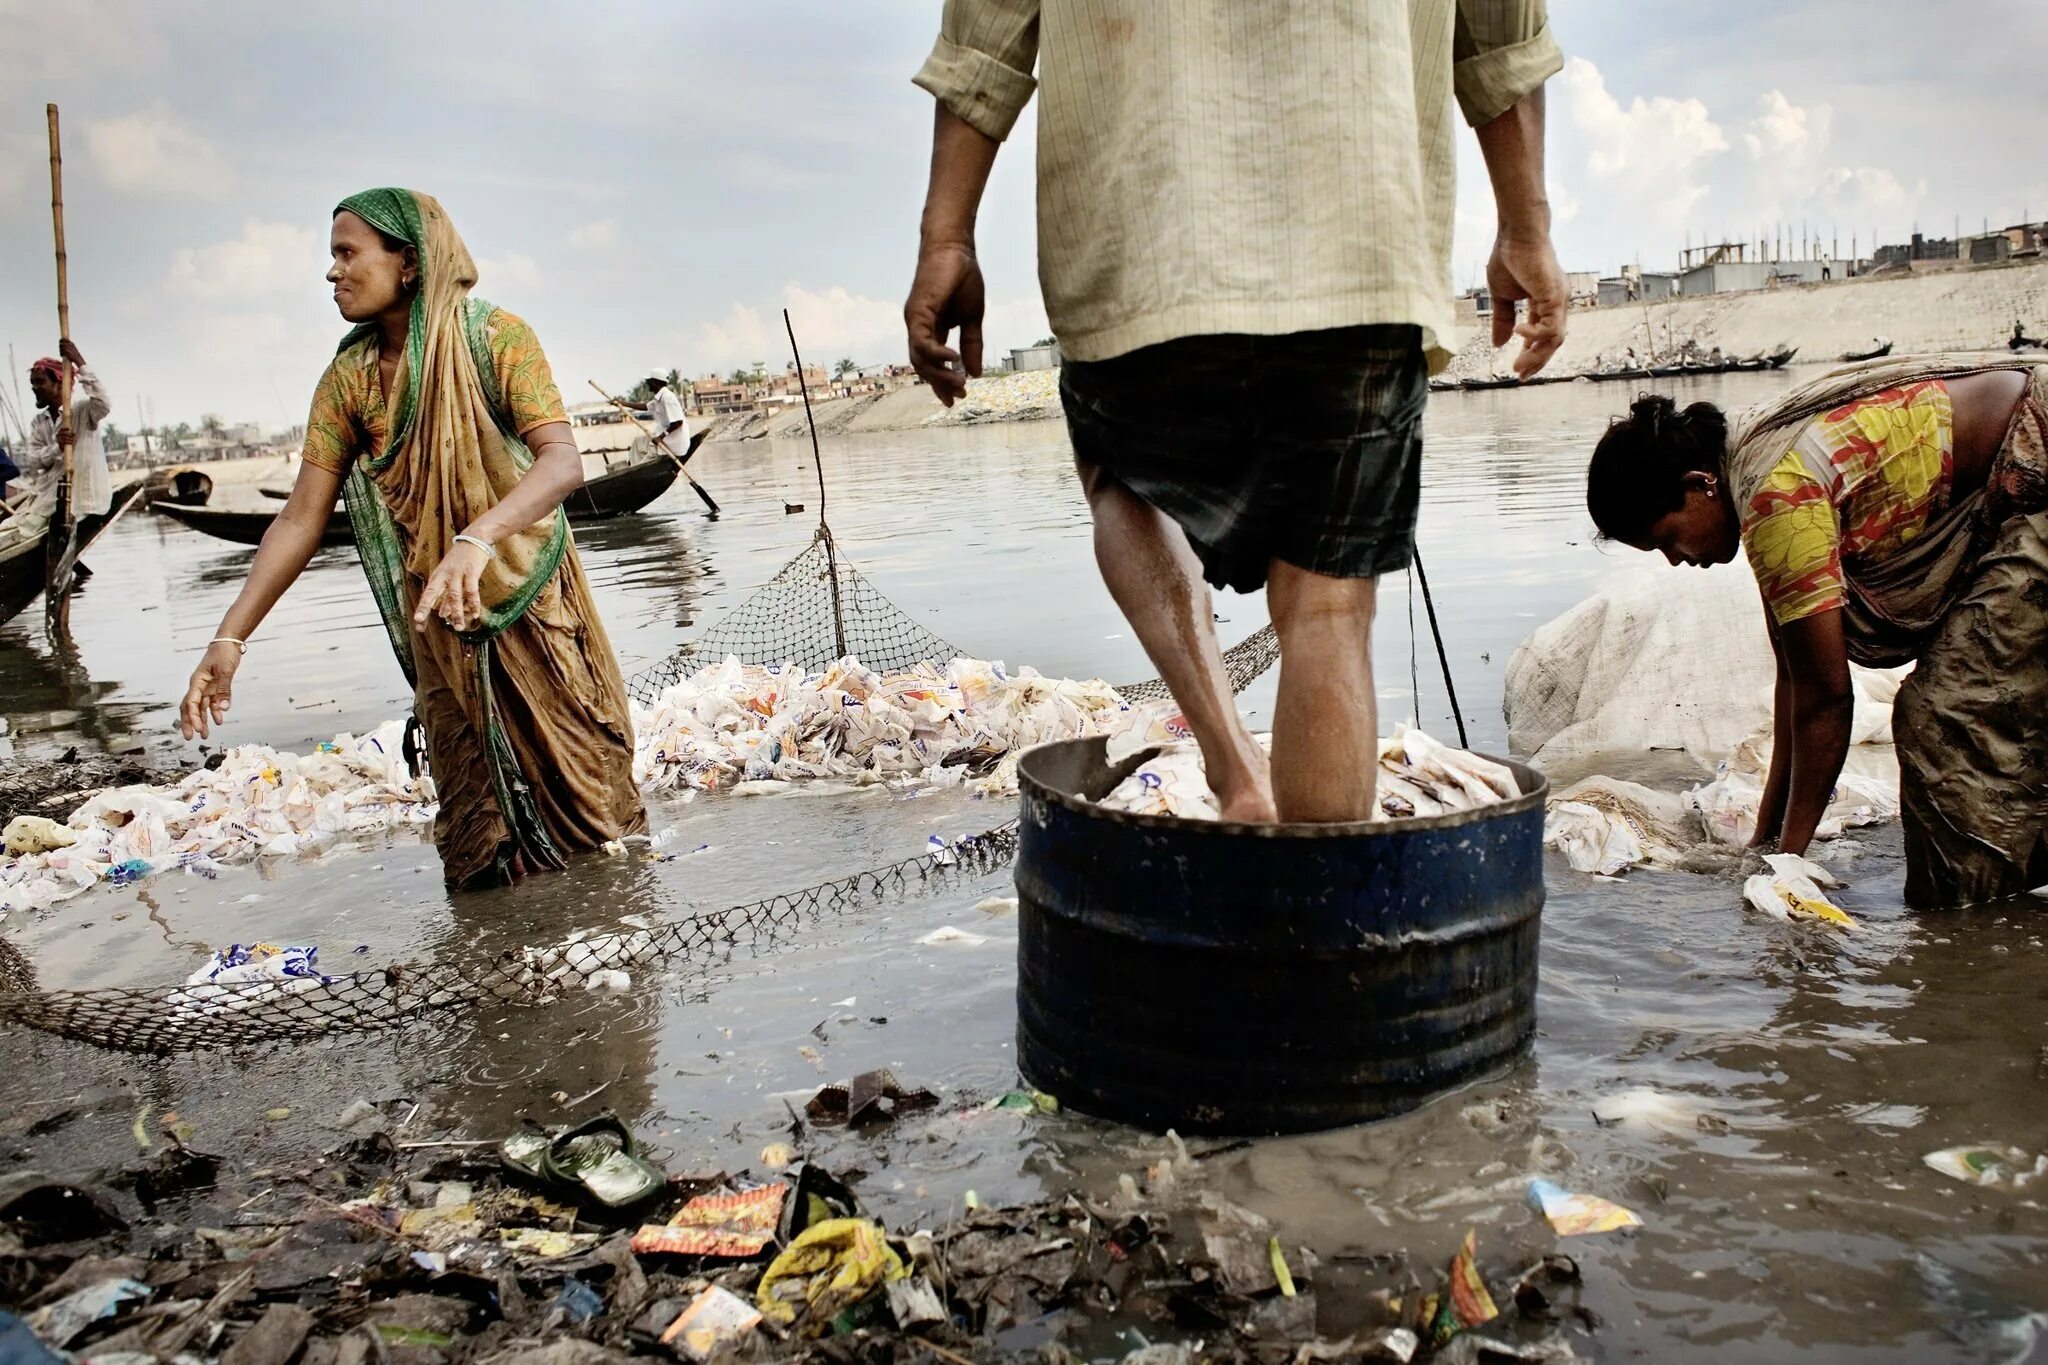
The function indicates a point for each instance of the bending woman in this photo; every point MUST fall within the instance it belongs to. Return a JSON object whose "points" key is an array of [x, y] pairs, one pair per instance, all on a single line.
{"points": [[439, 422], [1892, 511]]}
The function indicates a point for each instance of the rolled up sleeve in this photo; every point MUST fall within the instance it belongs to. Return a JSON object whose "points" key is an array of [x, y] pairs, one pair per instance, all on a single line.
{"points": [[1501, 51], [980, 68]]}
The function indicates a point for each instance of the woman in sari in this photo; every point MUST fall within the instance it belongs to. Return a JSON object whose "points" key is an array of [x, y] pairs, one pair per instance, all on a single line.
{"points": [[1892, 511], [440, 424]]}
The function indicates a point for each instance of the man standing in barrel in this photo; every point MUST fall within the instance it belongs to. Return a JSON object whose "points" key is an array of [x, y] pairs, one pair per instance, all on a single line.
{"points": [[1244, 234]]}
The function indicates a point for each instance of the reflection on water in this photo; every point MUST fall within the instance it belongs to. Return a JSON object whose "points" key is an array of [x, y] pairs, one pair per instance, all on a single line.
{"points": [[1761, 1093]]}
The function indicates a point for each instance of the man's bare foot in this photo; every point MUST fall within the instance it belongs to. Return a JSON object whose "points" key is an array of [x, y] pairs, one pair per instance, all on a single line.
{"points": [[1251, 807]]}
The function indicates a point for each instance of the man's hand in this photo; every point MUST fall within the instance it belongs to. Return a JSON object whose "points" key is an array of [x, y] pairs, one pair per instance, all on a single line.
{"points": [[946, 293], [1524, 268], [68, 349]]}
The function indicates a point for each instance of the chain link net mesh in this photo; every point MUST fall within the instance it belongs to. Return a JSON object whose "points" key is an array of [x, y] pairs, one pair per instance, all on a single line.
{"points": [[168, 1019], [818, 608]]}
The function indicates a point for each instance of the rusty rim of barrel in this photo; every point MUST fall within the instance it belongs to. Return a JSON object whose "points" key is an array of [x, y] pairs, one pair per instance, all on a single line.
{"points": [[1536, 789]]}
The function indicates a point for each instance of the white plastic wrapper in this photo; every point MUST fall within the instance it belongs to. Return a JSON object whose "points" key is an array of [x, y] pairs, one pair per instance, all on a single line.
{"points": [[1418, 776]]}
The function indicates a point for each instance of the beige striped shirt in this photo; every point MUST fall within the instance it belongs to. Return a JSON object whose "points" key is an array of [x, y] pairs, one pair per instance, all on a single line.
{"points": [[1262, 166]]}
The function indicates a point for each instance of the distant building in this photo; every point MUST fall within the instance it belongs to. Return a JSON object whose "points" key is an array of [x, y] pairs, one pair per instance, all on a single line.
{"points": [[1634, 285], [1731, 277], [1582, 285], [1985, 249], [1035, 357], [717, 395], [1919, 249]]}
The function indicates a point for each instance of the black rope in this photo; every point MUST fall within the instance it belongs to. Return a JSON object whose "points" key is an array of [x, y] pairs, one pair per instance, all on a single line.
{"points": [[805, 389], [1429, 604], [1414, 675], [818, 463]]}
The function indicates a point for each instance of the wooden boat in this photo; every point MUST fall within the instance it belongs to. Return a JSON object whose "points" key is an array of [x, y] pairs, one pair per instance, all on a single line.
{"points": [[1631, 372], [183, 484], [619, 493], [1492, 381], [1780, 357], [24, 562], [1883, 348]]}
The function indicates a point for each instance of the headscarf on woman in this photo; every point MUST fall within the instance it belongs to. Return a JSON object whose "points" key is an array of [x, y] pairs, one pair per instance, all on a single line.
{"points": [[525, 716]]}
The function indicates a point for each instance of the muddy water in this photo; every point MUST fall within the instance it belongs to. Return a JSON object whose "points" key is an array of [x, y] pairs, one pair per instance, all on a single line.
{"points": [[1767, 1091]]}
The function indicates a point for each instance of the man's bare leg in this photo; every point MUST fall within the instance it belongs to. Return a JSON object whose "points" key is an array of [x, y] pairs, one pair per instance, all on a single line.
{"points": [[1326, 725], [1157, 583]]}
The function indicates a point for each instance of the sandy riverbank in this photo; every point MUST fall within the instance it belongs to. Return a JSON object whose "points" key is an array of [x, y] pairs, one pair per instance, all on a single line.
{"points": [[1963, 310], [1028, 395], [1949, 310]]}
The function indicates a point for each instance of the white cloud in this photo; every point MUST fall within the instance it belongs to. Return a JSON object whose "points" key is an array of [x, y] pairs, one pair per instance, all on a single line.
{"points": [[601, 235], [1652, 151], [512, 271], [1785, 131], [1564, 205], [150, 151], [831, 319], [265, 259], [1864, 190]]}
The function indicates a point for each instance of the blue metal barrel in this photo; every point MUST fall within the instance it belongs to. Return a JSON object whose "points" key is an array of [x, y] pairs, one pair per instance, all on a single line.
{"points": [[1249, 979]]}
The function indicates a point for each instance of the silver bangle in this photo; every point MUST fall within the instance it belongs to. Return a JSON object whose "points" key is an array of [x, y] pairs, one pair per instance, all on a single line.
{"points": [[480, 543], [242, 645]]}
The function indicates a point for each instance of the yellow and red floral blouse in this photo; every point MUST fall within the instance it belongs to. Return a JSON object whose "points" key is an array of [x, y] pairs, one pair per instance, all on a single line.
{"points": [[1861, 481]]}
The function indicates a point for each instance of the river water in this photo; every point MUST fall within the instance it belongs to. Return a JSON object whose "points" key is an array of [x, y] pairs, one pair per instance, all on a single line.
{"points": [[1761, 1093]]}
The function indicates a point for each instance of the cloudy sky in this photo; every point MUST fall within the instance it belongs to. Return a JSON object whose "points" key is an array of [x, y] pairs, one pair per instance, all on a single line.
{"points": [[650, 182]]}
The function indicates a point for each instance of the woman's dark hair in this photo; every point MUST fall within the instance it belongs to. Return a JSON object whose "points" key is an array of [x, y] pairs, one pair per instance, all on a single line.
{"points": [[1637, 476]]}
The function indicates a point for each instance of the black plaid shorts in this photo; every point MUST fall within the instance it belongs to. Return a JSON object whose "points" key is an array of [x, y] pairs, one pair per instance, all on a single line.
{"points": [[1304, 447]]}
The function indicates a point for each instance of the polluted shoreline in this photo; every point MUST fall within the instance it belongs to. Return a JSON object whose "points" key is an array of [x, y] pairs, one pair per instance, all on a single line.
{"points": [[1761, 1094], [421, 1249]]}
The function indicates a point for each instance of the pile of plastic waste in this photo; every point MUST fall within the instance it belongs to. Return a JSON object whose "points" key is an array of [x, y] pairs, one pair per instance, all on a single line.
{"points": [[1606, 826], [729, 726], [1418, 776], [256, 800], [733, 723]]}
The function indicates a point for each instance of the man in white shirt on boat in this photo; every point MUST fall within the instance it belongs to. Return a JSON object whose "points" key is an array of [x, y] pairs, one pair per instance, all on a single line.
{"points": [[42, 460], [671, 423]]}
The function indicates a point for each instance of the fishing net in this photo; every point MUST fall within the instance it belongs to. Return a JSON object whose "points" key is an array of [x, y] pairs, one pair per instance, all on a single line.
{"points": [[168, 1019], [817, 609]]}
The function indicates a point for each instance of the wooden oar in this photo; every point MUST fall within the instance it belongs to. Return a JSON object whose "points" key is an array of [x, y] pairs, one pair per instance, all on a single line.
{"points": [[622, 406], [61, 547]]}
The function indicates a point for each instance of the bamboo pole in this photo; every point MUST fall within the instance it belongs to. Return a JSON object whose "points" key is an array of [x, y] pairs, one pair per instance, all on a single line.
{"points": [[63, 528], [649, 432]]}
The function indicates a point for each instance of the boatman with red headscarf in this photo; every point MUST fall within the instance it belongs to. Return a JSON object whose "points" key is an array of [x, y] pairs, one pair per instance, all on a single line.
{"points": [[42, 461]]}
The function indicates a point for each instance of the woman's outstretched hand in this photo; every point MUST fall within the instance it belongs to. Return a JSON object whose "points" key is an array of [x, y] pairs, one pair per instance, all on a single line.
{"points": [[455, 591], [206, 700]]}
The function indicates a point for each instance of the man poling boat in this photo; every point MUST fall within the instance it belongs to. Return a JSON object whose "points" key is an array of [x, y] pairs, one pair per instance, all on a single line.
{"points": [[440, 424]]}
